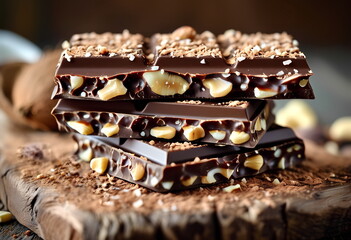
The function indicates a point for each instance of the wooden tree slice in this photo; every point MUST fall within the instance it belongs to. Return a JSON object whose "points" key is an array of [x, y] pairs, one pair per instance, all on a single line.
{"points": [[58, 197]]}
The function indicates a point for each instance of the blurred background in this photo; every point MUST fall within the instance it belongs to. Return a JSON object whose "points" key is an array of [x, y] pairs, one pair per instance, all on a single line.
{"points": [[322, 28]]}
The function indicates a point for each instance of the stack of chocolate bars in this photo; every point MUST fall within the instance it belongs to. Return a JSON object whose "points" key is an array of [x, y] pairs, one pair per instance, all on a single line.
{"points": [[180, 110]]}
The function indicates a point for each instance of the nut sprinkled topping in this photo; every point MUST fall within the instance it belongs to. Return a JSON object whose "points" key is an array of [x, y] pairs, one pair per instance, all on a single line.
{"points": [[237, 46], [185, 32], [184, 42], [93, 44]]}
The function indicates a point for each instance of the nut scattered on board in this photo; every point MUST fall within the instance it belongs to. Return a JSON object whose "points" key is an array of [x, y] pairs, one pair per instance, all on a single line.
{"points": [[137, 172], [81, 126], [193, 132], [5, 216], [254, 162], [340, 130], [238, 137], [218, 87], [165, 84], [231, 188], [99, 164], [110, 129], [184, 32], [296, 114], [113, 88], [166, 132], [276, 181]]}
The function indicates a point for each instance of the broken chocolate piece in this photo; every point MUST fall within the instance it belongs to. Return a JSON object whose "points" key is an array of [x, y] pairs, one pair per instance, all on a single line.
{"points": [[183, 66], [139, 164], [233, 123]]}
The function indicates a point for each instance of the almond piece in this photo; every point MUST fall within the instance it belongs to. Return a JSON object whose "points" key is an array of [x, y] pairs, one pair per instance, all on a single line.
{"points": [[81, 126], [193, 132], [165, 84], [113, 88], [254, 162], [166, 132], [137, 172], [110, 129], [238, 137], [218, 87], [99, 164]]}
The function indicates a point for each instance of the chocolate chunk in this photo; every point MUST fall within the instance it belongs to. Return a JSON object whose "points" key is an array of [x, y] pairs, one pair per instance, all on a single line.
{"points": [[184, 65], [240, 123], [136, 161]]}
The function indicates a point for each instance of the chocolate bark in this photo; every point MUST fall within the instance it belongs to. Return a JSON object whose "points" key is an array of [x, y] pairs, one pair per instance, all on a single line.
{"points": [[239, 123], [246, 66], [136, 162]]}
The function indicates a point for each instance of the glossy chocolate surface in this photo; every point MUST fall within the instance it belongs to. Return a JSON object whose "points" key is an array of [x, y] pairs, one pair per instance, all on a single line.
{"points": [[242, 87], [197, 122], [201, 170], [252, 64]]}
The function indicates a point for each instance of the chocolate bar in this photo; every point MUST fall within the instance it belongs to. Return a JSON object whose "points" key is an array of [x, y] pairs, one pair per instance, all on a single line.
{"points": [[182, 65], [152, 164], [240, 123]]}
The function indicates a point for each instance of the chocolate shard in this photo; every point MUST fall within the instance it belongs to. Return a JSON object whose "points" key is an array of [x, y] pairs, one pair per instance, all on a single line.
{"points": [[184, 65], [136, 161], [240, 123]]}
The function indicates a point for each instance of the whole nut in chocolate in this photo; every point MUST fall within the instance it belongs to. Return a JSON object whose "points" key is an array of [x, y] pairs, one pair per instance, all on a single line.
{"points": [[165, 84]]}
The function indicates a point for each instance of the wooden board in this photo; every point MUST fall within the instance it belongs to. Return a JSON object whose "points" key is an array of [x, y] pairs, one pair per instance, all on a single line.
{"points": [[57, 197]]}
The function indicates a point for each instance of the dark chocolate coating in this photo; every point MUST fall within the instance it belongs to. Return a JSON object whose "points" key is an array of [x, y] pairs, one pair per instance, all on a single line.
{"points": [[138, 121], [109, 66], [201, 171], [243, 87]]}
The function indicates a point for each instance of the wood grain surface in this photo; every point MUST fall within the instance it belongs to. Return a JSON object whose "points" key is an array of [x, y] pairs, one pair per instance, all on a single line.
{"points": [[52, 194]]}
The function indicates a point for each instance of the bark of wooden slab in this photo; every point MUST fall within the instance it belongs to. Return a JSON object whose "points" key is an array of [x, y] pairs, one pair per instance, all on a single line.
{"points": [[307, 207]]}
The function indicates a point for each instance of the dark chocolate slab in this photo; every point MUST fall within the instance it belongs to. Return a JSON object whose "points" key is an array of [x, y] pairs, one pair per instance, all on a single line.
{"points": [[270, 62], [239, 110], [200, 171], [165, 153], [235, 86], [220, 123]]}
